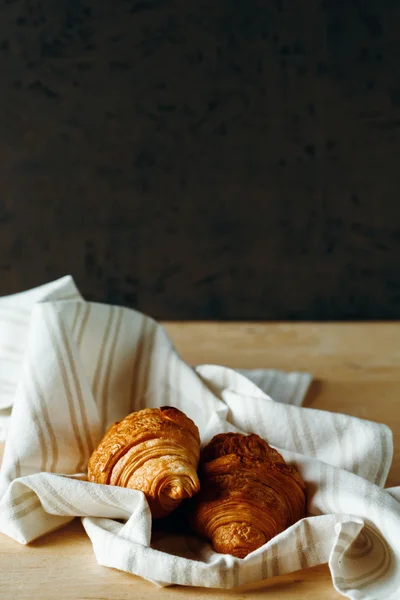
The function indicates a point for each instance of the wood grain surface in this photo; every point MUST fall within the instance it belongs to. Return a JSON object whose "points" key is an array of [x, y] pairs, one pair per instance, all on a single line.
{"points": [[357, 371]]}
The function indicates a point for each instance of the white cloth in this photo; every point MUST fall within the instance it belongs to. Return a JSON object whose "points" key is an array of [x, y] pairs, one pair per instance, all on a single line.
{"points": [[86, 365], [15, 313]]}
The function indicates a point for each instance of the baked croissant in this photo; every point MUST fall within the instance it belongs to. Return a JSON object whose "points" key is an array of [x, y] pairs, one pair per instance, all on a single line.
{"points": [[155, 450], [248, 494]]}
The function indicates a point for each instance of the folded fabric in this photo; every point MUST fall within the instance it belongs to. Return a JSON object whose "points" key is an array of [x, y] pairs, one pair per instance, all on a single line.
{"points": [[87, 365], [15, 314]]}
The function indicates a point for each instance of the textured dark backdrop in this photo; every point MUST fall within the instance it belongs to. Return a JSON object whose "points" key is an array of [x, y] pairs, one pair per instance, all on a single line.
{"points": [[220, 159]]}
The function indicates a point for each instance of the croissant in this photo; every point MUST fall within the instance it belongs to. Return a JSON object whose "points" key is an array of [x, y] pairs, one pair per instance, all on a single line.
{"points": [[155, 450], [248, 494]]}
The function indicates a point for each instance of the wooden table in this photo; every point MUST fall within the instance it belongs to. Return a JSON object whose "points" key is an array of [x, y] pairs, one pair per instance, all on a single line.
{"points": [[357, 371]]}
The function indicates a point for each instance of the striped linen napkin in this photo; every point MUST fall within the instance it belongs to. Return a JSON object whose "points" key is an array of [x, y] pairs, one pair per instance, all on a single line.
{"points": [[87, 365]]}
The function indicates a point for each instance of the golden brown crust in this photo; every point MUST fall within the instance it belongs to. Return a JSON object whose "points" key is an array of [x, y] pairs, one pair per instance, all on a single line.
{"points": [[248, 494], [155, 450]]}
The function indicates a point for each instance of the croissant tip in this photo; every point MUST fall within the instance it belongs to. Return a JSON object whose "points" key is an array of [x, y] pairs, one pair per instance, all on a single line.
{"points": [[238, 539]]}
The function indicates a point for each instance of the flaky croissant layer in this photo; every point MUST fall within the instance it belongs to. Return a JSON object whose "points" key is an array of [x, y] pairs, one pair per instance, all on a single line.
{"points": [[248, 494], [155, 450]]}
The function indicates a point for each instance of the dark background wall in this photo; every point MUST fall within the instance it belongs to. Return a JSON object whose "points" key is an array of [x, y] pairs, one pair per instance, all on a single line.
{"points": [[220, 159]]}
